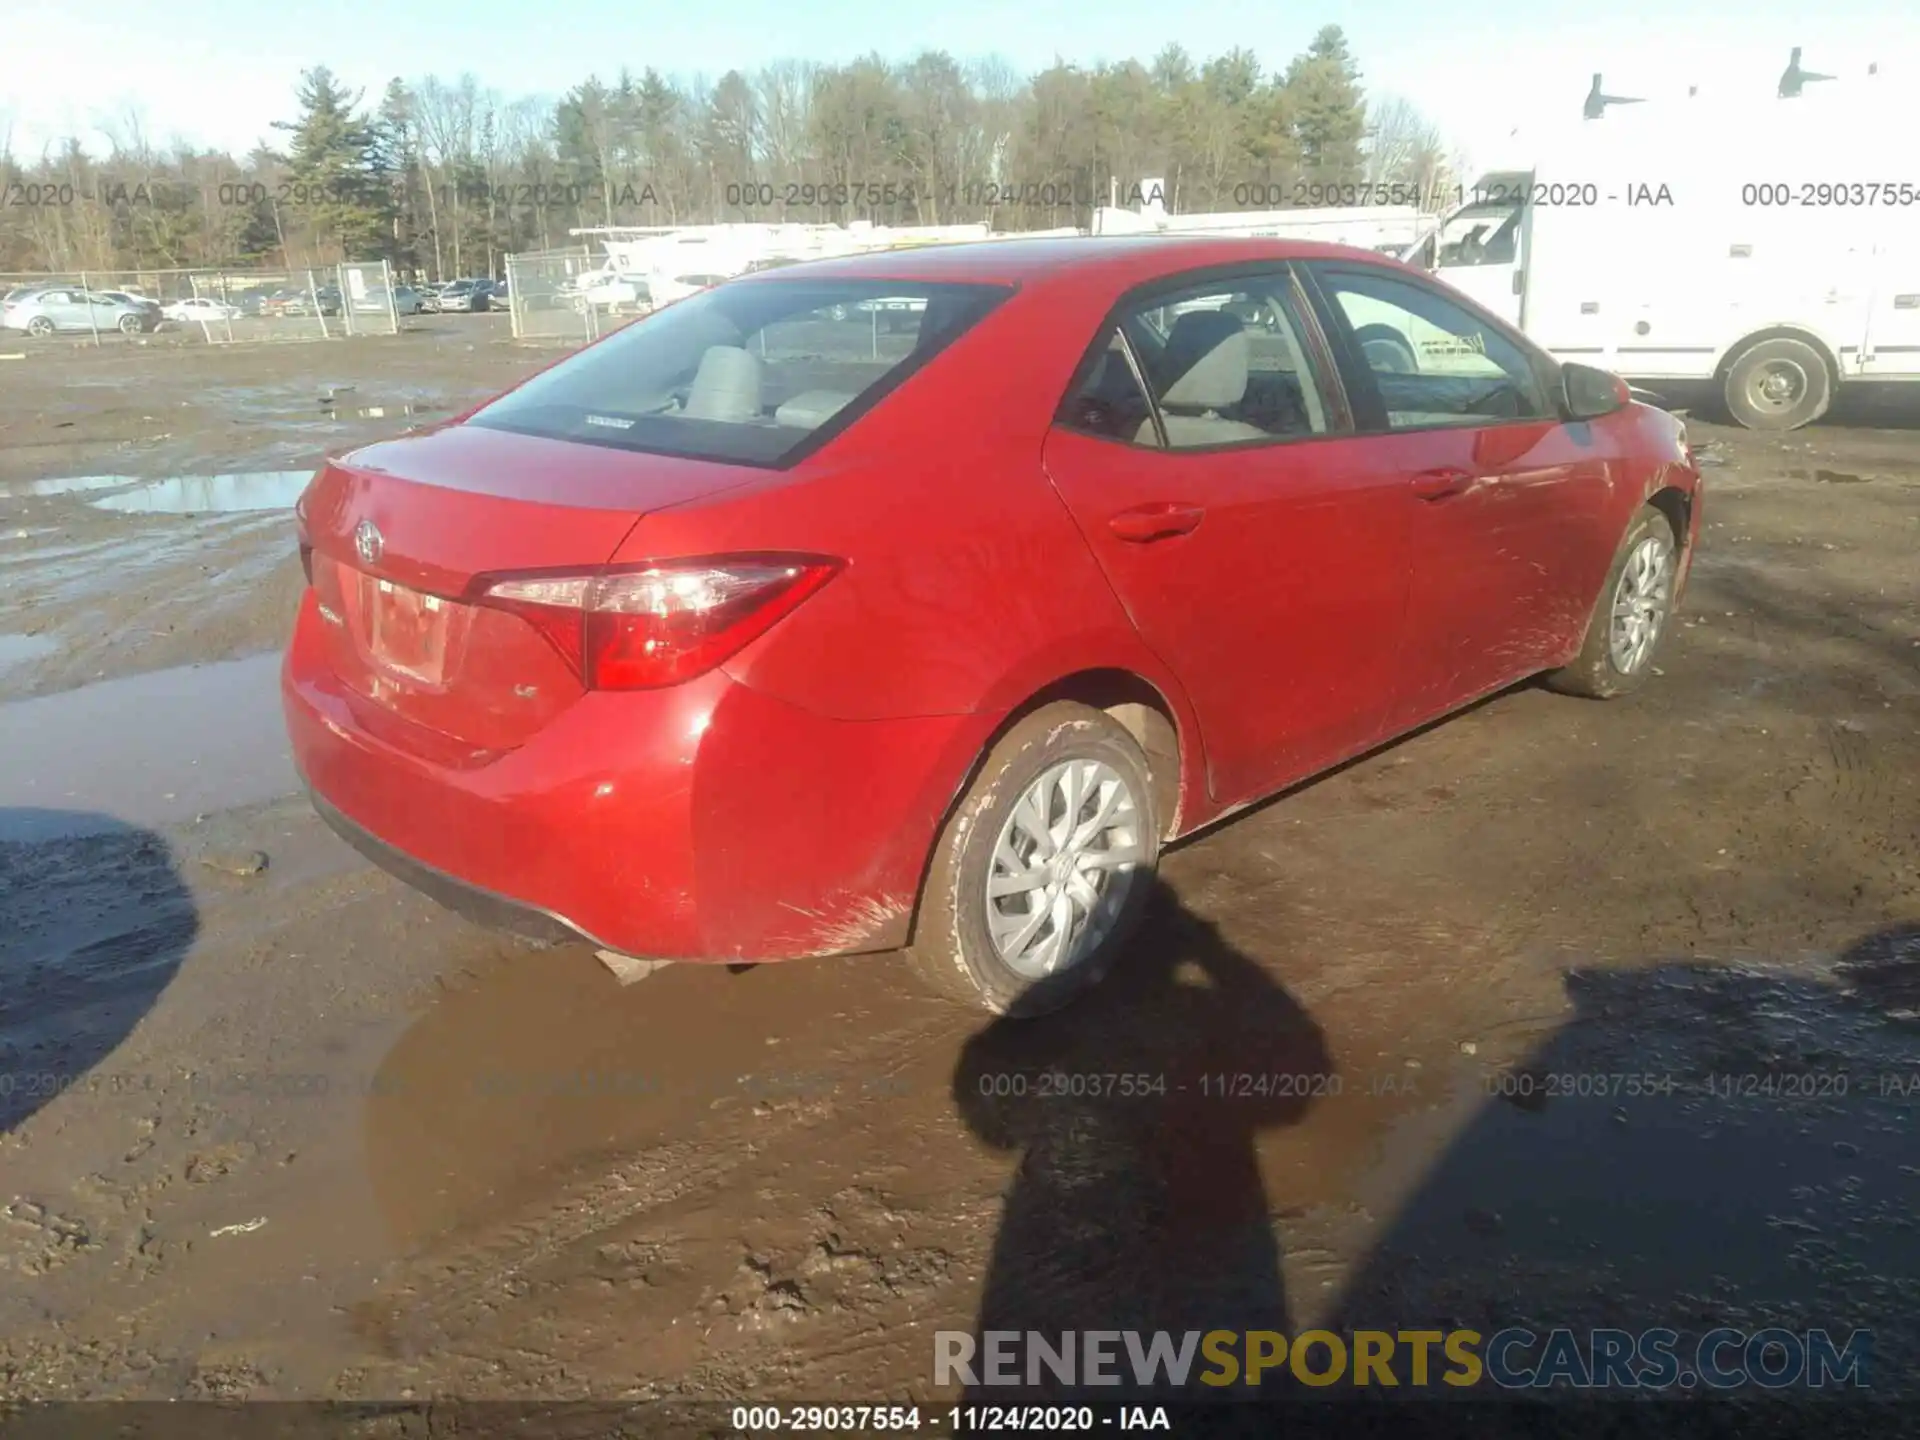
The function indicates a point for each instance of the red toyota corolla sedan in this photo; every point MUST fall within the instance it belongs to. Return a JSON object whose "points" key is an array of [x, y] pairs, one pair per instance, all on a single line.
{"points": [[761, 630]]}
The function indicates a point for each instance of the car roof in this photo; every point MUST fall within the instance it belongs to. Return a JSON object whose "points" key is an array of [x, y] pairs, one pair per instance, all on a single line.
{"points": [[1124, 260]]}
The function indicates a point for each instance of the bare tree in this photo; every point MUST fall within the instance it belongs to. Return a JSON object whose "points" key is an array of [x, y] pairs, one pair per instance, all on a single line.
{"points": [[1403, 147]]}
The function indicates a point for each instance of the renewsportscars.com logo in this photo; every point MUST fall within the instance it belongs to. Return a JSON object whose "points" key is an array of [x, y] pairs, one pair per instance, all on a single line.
{"points": [[1513, 1359]]}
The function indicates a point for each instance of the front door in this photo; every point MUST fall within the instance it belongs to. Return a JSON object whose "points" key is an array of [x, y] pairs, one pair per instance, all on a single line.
{"points": [[1507, 502]]}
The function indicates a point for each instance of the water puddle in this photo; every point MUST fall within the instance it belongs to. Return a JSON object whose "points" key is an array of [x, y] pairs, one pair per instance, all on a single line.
{"points": [[360, 407], [381, 412], [16, 649], [179, 495], [66, 485], [149, 749]]}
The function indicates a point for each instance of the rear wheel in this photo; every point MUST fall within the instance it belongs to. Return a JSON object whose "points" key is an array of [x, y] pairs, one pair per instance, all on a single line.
{"points": [[40, 325], [1778, 385], [1630, 619], [1042, 874]]}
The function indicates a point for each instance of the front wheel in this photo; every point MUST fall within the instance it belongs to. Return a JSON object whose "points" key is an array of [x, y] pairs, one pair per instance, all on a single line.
{"points": [[1386, 350], [129, 324], [1042, 874], [1632, 614]]}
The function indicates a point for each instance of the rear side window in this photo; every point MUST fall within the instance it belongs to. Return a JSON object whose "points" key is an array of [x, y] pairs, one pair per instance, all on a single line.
{"points": [[1225, 366], [1109, 401], [748, 374]]}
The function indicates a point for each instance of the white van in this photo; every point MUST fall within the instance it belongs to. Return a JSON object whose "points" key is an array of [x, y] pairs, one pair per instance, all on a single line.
{"points": [[1763, 250]]}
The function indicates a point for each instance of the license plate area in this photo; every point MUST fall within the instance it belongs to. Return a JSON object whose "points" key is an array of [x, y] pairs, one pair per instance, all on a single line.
{"points": [[406, 629]]}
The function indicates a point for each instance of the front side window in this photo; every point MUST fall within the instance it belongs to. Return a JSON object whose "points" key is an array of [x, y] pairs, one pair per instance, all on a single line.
{"points": [[1433, 361], [742, 373], [1224, 365]]}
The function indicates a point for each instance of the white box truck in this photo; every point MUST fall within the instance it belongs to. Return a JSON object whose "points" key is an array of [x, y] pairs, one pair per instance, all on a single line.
{"points": [[1759, 250]]}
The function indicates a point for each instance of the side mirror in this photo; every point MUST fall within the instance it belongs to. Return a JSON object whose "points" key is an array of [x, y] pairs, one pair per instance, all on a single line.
{"points": [[1587, 393]]}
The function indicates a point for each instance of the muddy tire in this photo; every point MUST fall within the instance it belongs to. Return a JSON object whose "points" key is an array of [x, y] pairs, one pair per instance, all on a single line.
{"points": [[1042, 874], [1632, 615], [1778, 385]]}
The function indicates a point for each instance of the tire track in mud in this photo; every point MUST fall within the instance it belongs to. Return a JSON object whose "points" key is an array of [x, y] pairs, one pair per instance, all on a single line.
{"points": [[449, 1289]]}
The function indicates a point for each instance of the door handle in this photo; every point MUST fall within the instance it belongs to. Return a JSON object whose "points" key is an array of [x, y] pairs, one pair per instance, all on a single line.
{"points": [[1156, 522], [1438, 484]]}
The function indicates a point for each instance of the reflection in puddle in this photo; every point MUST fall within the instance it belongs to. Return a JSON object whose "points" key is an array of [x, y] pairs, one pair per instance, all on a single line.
{"points": [[182, 494], [148, 749], [371, 412], [67, 485], [17, 648]]}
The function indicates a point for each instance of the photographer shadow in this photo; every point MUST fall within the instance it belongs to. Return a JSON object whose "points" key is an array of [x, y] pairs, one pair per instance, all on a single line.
{"points": [[1698, 1146], [1138, 1203], [95, 920]]}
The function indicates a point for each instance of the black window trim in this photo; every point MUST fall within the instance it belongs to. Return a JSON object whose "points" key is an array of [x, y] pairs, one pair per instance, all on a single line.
{"points": [[997, 294], [1283, 277], [1371, 416]]}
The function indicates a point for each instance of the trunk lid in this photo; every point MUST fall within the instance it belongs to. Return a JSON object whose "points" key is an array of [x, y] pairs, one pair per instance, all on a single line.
{"points": [[438, 674]]}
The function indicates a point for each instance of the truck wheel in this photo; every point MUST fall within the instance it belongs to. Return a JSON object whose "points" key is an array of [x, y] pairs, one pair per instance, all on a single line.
{"points": [[1042, 874], [1630, 618], [1778, 385], [1387, 350]]}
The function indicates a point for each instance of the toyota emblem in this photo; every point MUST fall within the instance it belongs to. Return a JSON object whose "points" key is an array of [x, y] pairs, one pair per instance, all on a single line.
{"points": [[368, 542]]}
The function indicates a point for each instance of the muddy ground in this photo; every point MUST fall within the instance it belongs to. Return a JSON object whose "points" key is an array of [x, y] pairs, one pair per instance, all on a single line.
{"points": [[292, 1131]]}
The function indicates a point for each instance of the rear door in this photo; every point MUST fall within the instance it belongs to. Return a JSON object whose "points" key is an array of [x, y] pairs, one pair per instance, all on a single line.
{"points": [[1510, 507], [1207, 453], [65, 311]]}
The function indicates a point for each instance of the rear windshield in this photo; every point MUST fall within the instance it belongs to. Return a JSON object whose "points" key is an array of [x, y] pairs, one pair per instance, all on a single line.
{"points": [[750, 374]]}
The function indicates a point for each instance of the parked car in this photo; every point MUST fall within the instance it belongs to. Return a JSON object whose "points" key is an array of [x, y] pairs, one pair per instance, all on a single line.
{"points": [[601, 290], [430, 299], [468, 295], [498, 297], [286, 302], [837, 669], [140, 301], [201, 311], [375, 301], [70, 308]]}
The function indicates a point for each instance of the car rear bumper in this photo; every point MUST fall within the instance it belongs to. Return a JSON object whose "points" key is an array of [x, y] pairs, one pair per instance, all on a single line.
{"points": [[483, 907], [707, 821]]}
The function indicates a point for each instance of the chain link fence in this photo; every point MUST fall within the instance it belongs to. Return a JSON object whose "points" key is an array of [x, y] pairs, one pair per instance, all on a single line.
{"points": [[546, 298], [220, 307]]}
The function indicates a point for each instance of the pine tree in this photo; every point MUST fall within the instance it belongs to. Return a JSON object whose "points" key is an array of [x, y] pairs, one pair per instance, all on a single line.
{"points": [[1329, 114], [336, 172]]}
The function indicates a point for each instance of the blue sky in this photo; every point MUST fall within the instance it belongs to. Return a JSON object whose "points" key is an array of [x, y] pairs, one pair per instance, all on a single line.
{"points": [[219, 71]]}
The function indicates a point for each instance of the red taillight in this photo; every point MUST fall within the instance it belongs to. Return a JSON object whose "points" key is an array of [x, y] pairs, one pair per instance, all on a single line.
{"points": [[639, 628]]}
